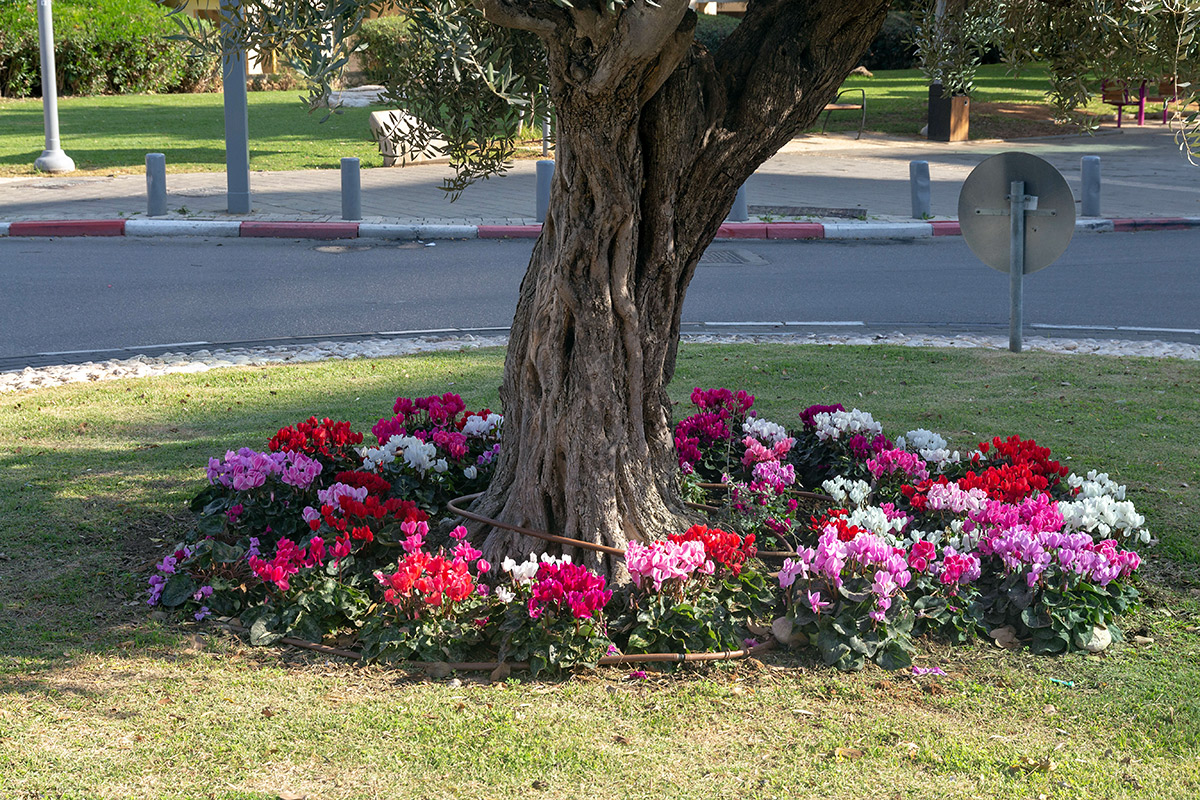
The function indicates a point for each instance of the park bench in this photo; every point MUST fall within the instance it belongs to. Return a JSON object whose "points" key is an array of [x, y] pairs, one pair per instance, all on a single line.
{"points": [[1117, 93], [838, 105]]}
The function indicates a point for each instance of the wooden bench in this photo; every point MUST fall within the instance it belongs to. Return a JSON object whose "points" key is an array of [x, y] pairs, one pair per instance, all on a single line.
{"points": [[838, 105], [1117, 93]]}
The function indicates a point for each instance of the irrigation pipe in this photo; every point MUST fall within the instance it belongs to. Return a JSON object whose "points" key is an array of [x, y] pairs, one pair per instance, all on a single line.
{"points": [[467, 666], [487, 666], [549, 537]]}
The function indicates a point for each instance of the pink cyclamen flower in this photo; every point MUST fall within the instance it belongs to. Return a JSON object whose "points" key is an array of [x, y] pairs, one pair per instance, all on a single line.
{"points": [[817, 604]]}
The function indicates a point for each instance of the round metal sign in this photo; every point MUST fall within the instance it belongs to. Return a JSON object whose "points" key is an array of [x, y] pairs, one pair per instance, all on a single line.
{"points": [[983, 211]]}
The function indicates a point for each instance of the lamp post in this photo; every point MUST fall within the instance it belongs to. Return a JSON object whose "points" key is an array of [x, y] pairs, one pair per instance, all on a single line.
{"points": [[52, 159]]}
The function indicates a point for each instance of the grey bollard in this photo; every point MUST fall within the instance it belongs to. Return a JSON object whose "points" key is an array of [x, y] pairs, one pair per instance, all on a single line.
{"points": [[545, 174], [918, 181], [156, 184], [740, 211], [351, 189], [1089, 205]]}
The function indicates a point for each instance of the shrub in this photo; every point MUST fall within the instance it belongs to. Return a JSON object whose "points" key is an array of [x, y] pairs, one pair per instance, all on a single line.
{"points": [[384, 38], [893, 46], [101, 47], [712, 30]]}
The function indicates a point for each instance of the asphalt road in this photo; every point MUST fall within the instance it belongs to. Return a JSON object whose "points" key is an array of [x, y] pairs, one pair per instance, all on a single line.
{"points": [[76, 294]]}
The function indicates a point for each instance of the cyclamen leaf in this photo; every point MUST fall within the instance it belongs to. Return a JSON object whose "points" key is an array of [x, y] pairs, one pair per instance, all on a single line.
{"points": [[261, 633], [178, 589]]}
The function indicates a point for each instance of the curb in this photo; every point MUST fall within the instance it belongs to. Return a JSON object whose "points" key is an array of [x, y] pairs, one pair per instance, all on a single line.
{"points": [[300, 230], [173, 227], [71, 227], [373, 230], [390, 230]]}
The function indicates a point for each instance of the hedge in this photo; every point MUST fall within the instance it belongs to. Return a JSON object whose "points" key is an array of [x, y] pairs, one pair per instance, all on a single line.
{"points": [[100, 47]]}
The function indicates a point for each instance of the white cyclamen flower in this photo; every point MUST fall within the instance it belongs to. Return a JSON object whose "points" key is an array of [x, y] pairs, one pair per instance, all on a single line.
{"points": [[767, 432], [873, 519], [832, 425], [921, 439], [482, 426]]}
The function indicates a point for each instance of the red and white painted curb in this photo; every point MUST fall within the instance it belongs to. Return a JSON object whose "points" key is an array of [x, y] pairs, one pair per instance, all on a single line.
{"points": [[365, 230]]}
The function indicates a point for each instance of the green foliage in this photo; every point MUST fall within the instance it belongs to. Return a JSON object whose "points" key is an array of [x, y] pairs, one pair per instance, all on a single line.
{"points": [[1057, 618], [381, 44], [101, 47], [950, 45], [713, 29], [553, 642], [893, 46], [847, 637]]}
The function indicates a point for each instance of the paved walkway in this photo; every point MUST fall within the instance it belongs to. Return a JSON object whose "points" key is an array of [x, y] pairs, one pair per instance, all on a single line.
{"points": [[1144, 175]]}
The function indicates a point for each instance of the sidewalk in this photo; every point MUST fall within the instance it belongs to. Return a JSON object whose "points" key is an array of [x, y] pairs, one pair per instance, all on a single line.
{"points": [[1144, 178]]}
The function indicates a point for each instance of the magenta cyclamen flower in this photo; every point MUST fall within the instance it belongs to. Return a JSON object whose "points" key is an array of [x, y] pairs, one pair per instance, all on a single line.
{"points": [[559, 587], [885, 462], [816, 603], [777, 476]]}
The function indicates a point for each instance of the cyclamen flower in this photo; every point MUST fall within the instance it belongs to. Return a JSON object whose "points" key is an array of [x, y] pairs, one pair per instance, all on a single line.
{"points": [[524, 572], [816, 603], [659, 562], [777, 476], [245, 469], [712, 399], [720, 547], [765, 431], [478, 426], [887, 462], [808, 416], [333, 495], [836, 424], [563, 587], [960, 568], [756, 452], [299, 470]]}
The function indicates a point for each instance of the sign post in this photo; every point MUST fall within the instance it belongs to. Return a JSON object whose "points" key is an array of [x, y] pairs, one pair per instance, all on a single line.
{"points": [[1041, 221]]}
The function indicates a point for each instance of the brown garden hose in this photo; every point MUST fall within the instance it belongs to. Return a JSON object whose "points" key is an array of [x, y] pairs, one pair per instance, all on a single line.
{"points": [[636, 658], [549, 537], [487, 666]]}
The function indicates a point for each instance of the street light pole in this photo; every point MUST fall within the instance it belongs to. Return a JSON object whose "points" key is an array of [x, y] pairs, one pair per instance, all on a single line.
{"points": [[52, 159]]}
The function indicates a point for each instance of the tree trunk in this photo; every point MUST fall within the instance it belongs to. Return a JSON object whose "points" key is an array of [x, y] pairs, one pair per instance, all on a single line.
{"points": [[652, 146]]}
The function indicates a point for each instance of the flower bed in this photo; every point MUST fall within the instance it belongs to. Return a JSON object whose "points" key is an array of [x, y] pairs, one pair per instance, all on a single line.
{"points": [[320, 536]]}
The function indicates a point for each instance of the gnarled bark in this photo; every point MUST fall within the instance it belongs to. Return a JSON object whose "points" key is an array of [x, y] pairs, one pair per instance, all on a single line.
{"points": [[655, 135]]}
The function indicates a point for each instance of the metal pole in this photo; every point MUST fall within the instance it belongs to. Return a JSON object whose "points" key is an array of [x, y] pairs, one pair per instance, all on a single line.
{"points": [[918, 182], [52, 159], [156, 184], [1016, 264], [1089, 205], [545, 124], [741, 210], [545, 175], [351, 189], [237, 115]]}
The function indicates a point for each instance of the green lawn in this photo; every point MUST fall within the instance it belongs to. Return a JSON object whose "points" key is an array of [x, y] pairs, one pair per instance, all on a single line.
{"points": [[1003, 106], [113, 134], [99, 699]]}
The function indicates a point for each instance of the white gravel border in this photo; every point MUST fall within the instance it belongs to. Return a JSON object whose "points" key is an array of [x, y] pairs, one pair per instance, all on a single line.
{"points": [[203, 360]]}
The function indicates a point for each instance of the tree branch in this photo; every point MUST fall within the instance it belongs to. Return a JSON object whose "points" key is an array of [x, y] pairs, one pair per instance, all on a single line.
{"points": [[509, 14]]}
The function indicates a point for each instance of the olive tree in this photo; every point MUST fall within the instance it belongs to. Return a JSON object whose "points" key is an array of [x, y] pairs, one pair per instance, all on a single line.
{"points": [[654, 135]]}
